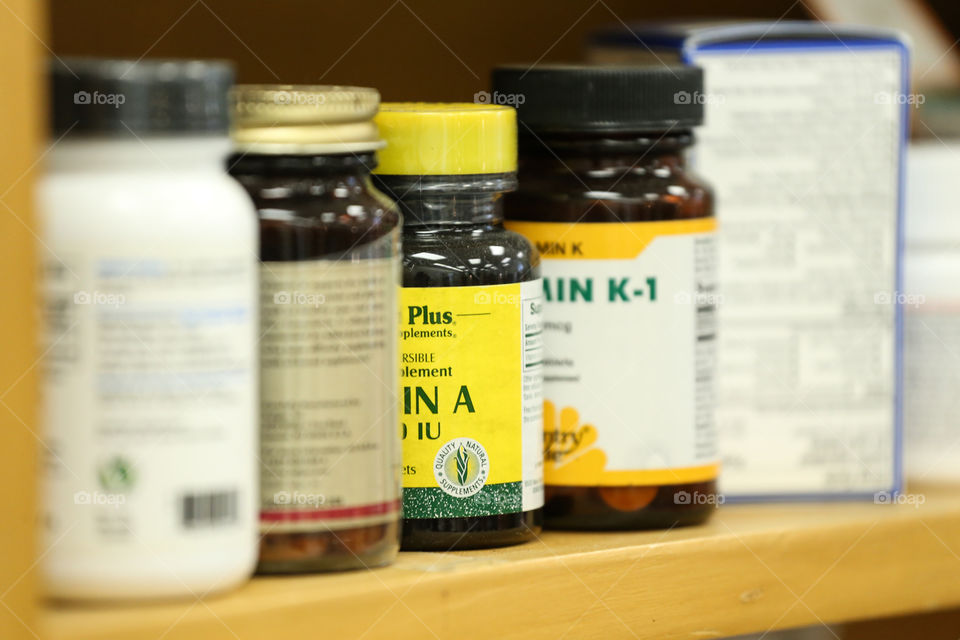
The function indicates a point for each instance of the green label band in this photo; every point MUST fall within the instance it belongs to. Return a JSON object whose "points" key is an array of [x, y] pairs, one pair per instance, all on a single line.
{"points": [[491, 500]]}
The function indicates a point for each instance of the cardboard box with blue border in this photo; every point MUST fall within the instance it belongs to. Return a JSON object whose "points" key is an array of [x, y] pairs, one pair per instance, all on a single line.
{"points": [[803, 143]]}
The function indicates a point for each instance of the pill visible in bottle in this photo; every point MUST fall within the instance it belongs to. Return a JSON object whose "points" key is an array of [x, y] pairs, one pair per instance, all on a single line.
{"points": [[626, 232], [329, 275]]}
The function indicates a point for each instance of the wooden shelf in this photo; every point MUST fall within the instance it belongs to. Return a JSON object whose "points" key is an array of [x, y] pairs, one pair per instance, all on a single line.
{"points": [[752, 568]]}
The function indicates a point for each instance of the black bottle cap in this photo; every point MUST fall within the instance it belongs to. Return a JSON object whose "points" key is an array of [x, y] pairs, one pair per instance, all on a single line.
{"points": [[146, 97], [601, 98]]}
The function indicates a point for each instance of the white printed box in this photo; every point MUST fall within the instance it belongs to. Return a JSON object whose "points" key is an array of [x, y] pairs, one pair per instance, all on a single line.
{"points": [[803, 143]]}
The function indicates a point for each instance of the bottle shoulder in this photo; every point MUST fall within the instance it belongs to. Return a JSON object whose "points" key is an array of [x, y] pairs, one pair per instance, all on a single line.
{"points": [[311, 197], [466, 255], [308, 217], [108, 204], [637, 195]]}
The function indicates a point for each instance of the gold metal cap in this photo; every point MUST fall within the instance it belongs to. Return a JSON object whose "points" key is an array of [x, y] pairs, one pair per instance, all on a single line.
{"points": [[278, 119]]}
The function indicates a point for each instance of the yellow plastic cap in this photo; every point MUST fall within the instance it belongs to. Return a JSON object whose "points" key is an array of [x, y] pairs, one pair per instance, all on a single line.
{"points": [[446, 138]]}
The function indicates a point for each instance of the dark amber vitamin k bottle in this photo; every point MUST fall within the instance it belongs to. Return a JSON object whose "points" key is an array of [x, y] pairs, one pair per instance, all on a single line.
{"points": [[627, 239], [470, 329], [329, 275]]}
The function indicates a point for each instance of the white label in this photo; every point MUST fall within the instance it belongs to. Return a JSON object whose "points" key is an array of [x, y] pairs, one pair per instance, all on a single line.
{"points": [[628, 340], [531, 294], [329, 444], [149, 394], [803, 151]]}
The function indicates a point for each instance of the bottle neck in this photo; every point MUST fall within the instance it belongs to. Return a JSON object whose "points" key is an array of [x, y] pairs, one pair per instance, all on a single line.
{"points": [[604, 153], [428, 201], [347, 166]]}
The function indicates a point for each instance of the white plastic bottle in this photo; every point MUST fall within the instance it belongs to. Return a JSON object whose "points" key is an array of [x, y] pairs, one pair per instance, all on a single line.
{"points": [[150, 384]]}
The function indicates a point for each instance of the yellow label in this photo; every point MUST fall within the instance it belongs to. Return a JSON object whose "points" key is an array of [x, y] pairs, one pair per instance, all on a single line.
{"points": [[603, 240], [573, 457], [470, 377]]}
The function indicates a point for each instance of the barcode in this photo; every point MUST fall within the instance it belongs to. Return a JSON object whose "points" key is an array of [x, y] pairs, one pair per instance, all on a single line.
{"points": [[209, 509]]}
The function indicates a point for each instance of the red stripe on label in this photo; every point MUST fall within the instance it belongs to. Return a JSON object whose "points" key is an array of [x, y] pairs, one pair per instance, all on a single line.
{"points": [[334, 513]]}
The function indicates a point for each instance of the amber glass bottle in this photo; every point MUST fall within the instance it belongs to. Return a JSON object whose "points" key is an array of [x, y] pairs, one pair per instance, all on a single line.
{"points": [[626, 235], [470, 329], [329, 252]]}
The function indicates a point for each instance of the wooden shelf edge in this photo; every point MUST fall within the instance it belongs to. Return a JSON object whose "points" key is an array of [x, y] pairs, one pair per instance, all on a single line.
{"points": [[753, 568]]}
